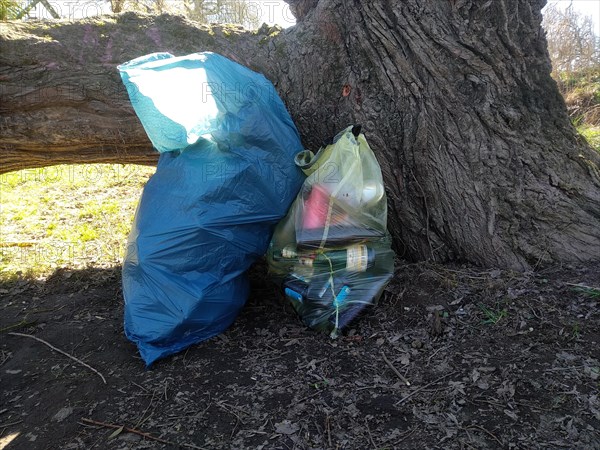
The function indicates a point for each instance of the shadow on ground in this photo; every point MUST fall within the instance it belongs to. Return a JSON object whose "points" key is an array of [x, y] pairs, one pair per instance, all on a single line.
{"points": [[495, 359]]}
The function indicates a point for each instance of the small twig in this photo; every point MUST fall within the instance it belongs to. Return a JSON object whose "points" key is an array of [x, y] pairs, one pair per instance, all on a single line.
{"points": [[142, 420], [183, 360], [487, 432], [4, 425], [399, 402], [254, 432], [139, 433], [560, 369], [309, 397], [299, 434], [555, 443], [227, 407], [308, 364], [580, 285], [435, 353], [166, 385], [233, 407], [62, 352], [237, 422], [42, 310], [391, 366], [370, 435], [21, 324], [469, 445], [468, 435], [129, 430], [530, 406], [141, 387], [404, 436], [327, 425]]}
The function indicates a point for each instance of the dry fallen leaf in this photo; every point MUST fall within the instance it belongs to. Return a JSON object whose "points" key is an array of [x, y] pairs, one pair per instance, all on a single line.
{"points": [[286, 427], [115, 433]]}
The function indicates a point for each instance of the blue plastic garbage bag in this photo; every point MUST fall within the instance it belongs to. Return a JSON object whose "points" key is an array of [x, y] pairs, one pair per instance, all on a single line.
{"points": [[226, 177]]}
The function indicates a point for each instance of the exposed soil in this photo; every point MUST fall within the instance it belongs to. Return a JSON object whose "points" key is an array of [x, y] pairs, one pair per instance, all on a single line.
{"points": [[530, 380]]}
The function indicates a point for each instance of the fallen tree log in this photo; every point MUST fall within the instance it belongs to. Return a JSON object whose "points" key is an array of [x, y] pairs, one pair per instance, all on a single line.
{"points": [[480, 160]]}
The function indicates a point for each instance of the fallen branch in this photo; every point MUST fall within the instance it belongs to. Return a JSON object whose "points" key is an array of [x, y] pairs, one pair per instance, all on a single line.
{"points": [[399, 402], [391, 366], [62, 352], [139, 433]]}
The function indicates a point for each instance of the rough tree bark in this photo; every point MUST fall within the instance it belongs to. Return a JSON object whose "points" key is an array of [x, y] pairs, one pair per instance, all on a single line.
{"points": [[480, 159]]}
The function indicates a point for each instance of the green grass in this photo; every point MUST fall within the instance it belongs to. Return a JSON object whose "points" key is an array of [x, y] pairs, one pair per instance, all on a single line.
{"points": [[9, 9], [581, 91], [591, 134], [588, 291], [578, 80], [493, 315], [70, 217]]}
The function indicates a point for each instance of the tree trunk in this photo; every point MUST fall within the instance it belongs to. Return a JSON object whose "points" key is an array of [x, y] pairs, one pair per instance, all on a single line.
{"points": [[480, 160]]}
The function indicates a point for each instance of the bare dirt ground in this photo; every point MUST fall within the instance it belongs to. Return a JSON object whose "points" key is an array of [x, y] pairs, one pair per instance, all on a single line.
{"points": [[495, 359]]}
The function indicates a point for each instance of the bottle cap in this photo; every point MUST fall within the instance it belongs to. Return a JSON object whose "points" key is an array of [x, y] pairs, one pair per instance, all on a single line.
{"points": [[372, 192]]}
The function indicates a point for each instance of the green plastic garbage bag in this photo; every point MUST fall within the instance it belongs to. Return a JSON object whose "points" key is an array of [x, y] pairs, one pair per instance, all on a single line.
{"points": [[332, 252]]}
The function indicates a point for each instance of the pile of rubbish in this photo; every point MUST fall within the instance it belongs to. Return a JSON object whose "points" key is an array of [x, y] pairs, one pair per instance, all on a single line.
{"points": [[231, 165]]}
